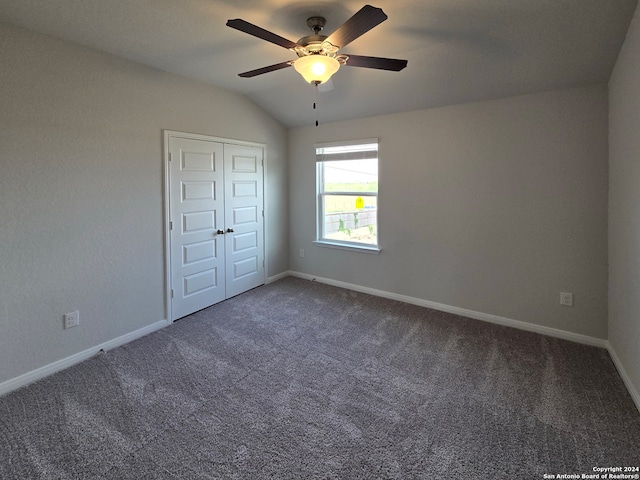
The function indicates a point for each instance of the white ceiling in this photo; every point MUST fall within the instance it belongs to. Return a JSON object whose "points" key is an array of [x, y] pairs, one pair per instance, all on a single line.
{"points": [[459, 51]]}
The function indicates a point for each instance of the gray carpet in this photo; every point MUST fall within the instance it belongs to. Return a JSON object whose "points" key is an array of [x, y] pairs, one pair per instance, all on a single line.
{"points": [[298, 380]]}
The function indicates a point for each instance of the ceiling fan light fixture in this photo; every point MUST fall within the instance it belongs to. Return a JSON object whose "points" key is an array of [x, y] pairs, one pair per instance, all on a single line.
{"points": [[316, 68]]}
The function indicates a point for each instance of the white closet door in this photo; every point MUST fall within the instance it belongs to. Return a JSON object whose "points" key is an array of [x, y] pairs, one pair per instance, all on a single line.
{"points": [[216, 215], [244, 216], [196, 213]]}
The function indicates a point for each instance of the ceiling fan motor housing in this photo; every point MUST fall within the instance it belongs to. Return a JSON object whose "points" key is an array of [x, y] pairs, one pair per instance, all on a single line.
{"points": [[313, 44]]}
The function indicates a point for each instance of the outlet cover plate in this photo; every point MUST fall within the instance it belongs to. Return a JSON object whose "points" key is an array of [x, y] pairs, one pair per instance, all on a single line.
{"points": [[566, 299], [72, 319]]}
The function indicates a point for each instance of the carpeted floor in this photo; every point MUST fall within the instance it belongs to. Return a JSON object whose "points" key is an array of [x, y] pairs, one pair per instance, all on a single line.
{"points": [[298, 380]]}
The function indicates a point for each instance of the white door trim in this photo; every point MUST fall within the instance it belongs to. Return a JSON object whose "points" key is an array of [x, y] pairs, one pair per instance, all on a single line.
{"points": [[167, 205]]}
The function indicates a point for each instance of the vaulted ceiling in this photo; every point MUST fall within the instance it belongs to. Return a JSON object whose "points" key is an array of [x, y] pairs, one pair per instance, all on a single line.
{"points": [[458, 51]]}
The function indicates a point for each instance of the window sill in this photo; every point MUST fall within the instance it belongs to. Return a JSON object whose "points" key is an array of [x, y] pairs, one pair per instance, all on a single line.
{"points": [[348, 246]]}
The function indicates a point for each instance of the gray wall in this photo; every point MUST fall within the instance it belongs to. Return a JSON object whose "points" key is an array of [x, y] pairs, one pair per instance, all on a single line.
{"points": [[81, 191], [494, 207], [624, 205]]}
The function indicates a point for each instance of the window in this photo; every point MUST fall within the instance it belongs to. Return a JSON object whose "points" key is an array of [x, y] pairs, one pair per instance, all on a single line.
{"points": [[347, 194]]}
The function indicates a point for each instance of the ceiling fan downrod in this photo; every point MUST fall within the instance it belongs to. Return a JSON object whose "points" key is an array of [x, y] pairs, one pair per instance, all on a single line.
{"points": [[316, 24]]}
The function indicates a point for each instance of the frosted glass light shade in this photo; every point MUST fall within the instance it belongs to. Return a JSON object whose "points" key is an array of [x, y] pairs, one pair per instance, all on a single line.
{"points": [[316, 68]]}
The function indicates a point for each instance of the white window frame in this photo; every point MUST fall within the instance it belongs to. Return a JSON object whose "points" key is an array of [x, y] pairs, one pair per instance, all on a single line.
{"points": [[321, 158]]}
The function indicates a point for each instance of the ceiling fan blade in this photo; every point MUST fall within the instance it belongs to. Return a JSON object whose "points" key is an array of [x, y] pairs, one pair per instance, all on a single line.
{"points": [[270, 68], [256, 31], [363, 21], [380, 63]]}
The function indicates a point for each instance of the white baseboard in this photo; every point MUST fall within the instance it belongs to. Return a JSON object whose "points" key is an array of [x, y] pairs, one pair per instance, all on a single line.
{"points": [[277, 277], [485, 317], [633, 391], [42, 372]]}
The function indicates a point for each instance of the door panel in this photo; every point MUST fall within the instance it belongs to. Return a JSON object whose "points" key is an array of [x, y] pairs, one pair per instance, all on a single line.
{"points": [[198, 252], [244, 214], [200, 281], [197, 212], [245, 241]]}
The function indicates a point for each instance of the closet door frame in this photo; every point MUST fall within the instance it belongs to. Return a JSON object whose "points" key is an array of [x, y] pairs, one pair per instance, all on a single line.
{"points": [[167, 134]]}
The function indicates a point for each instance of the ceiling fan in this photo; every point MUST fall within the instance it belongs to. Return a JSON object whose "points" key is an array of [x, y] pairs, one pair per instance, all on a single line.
{"points": [[318, 57]]}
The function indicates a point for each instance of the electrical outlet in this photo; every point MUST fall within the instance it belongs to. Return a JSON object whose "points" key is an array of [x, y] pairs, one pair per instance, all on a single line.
{"points": [[566, 299], [302, 252], [72, 319]]}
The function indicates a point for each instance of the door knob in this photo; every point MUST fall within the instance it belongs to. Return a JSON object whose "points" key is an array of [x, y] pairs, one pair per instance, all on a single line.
{"points": [[220, 232], [229, 230]]}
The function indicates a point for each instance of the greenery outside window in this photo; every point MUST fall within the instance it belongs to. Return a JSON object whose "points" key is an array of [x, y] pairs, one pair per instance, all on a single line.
{"points": [[347, 194]]}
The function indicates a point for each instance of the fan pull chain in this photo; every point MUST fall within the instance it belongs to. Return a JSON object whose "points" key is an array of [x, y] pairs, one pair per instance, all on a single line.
{"points": [[315, 100]]}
